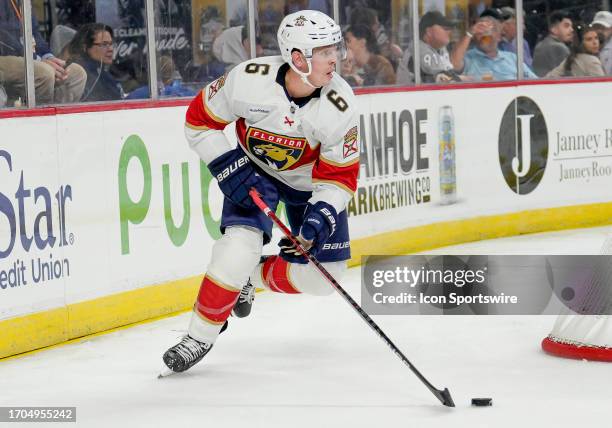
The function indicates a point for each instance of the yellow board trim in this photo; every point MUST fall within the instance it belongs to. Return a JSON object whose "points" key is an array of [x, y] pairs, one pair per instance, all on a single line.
{"points": [[43, 329], [438, 235]]}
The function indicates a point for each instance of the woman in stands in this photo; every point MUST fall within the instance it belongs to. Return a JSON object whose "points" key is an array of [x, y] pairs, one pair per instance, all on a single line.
{"points": [[375, 68], [583, 59], [92, 48]]}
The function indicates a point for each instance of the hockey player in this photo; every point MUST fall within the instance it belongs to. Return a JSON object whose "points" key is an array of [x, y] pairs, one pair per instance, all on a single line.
{"points": [[296, 123]]}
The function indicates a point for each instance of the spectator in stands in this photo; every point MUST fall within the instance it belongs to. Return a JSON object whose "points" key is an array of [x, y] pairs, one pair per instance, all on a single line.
{"points": [[324, 6], [436, 64], [232, 46], [375, 68], [583, 60], [92, 48], [602, 22], [476, 7], [54, 81], [169, 85], [349, 70], [553, 48], [369, 17], [60, 39], [485, 61], [508, 42]]}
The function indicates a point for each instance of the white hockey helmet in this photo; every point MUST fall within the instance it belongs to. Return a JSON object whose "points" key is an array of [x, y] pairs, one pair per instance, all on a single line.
{"points": [[304, 31]]}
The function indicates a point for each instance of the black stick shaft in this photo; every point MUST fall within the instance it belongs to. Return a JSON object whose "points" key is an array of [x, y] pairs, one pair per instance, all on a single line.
{"points": [[442, 395]]}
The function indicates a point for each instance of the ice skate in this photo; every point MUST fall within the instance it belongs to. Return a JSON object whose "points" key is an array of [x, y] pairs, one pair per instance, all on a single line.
{"points": [[184, 355], [243, 306]]}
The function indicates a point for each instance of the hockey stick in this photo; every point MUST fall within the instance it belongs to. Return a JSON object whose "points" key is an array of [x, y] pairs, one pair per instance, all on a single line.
{"points": [[442, 395]]}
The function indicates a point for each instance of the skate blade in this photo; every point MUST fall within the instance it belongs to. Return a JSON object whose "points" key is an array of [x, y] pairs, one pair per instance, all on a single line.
{"points": [[165, 372]]}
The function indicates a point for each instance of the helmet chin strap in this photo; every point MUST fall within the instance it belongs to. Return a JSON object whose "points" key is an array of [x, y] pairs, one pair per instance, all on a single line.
{"points": [[304, 76]]}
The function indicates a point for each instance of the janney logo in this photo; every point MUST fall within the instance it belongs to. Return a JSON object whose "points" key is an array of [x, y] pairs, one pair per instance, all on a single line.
{"points": [[523, 145]]}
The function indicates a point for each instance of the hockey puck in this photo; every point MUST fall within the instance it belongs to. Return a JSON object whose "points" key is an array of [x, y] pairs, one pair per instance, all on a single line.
{"points": [[482, 402]]}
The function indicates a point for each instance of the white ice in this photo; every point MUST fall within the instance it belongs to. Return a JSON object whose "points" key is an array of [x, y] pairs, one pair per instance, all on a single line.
{"points": [[301, 361]]}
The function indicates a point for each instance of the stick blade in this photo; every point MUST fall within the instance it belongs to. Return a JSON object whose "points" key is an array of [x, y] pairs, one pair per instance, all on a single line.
{"points": [[445, 397]]}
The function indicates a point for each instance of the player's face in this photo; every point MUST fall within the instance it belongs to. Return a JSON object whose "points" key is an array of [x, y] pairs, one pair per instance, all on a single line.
{"points": [[323, 64]]}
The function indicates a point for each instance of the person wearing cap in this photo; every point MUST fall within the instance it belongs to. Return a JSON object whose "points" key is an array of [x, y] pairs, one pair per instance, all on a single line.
{"points": [[486, 61], [554, 48], [232, 46], [602, 22], [509, 40], [436, 63]]}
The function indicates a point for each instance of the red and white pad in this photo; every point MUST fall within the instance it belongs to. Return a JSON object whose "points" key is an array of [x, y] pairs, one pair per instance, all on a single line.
{"points": [[233, 258], [277, 275]]}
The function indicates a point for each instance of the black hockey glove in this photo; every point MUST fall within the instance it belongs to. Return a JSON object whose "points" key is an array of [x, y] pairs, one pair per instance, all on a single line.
{"points": [[290, 253], [235, 174], [319, 224]]}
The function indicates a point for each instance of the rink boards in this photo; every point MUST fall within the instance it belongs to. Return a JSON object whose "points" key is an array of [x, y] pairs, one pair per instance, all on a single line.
{"points": [[107, 218]]}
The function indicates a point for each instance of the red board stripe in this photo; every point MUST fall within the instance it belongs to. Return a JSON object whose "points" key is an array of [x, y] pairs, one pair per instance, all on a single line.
{"points": [[175, 102]]}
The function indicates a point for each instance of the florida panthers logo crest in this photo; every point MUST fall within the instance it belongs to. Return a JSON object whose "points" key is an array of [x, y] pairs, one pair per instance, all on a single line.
{"points": [[299, 21], [277, 151]]}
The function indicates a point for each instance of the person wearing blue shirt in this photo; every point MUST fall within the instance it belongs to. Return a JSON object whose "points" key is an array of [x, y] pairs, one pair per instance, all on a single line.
{"points": [[169, 84], [487, 62], [509, 38]]}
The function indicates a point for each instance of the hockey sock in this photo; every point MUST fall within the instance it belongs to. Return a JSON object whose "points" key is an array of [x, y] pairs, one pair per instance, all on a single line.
{"points": [[275, 275]]}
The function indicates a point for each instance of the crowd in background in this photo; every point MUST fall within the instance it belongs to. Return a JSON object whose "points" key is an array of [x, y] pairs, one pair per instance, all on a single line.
{"points": [[96, 50]]}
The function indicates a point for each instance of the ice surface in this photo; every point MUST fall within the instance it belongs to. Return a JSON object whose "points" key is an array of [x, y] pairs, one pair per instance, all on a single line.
{"points": [[301, 361]]}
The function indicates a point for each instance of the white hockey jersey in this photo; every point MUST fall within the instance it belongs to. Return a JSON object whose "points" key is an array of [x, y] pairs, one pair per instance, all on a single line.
{"points": [[310, 144]]}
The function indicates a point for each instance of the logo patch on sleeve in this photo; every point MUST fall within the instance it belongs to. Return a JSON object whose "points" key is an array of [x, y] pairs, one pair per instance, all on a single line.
{"points": [[351, 145], [215, 86]]}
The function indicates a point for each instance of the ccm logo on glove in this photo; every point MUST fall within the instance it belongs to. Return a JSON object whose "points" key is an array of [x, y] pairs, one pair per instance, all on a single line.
{"points": [[232, 168]]}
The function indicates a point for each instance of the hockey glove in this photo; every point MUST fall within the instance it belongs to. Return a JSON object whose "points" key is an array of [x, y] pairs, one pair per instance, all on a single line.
{"points": [[235, 174], [289, 253], [319, 224]]}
